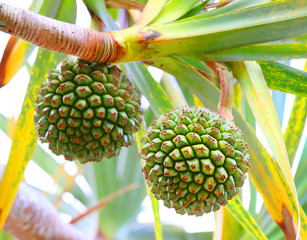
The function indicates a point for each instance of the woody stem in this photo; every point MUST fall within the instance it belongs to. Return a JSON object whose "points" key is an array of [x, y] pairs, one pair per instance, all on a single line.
{"points": [[57, 36]]}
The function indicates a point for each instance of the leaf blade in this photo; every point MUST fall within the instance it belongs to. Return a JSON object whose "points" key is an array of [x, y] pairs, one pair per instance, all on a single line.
{"points": [[250, 77], [22, 148], [270, 51], [245, 218], [172, 10], [295, 126], [149, 88], [284, 78], [154, 201], [248, 26]]}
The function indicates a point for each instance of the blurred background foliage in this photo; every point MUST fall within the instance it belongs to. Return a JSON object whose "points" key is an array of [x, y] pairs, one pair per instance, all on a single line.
{"points": [[77, 187]]}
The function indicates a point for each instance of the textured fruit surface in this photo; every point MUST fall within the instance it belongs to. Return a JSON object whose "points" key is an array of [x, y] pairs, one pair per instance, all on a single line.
{"points": [[195, 160], [87, 111]]}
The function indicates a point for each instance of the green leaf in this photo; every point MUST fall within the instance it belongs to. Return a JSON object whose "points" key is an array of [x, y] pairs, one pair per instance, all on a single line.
{"points": [[195, 10], [295, 126], [154, 201], [269, 51], [23, 147], [240, 4], [242, 107], [284, 78], [247, 26], [238, 100], [149, 88], [4, 124], [245, 218], [174, 9], [150, 12], [187, 74], [189, 97], [198, 64], [300, 176], [227, 227], [6, 236], [172, 89], [253, 199], [258, 96]]}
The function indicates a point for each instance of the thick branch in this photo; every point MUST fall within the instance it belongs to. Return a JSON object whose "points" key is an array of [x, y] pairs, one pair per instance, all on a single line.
{"points": [[34, 217], [57, 36]]}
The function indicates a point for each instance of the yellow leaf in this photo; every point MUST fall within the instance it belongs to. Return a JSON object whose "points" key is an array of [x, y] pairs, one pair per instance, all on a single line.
{"points": [[13, 59]]}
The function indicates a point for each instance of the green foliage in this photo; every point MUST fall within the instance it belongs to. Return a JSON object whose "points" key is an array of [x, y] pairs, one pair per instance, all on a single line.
{"points": [[261, 30]]}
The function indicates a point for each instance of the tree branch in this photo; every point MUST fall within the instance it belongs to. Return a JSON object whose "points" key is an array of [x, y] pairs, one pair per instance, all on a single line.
{"points": [[57, 36], [34, 217]]}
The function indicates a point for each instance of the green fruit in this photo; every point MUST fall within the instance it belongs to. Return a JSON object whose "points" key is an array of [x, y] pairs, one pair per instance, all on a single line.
{"points": [[87, 111], [194, 160]]}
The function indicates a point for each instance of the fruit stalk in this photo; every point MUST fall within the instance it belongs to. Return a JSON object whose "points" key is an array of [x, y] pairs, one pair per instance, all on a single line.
{"points": [[57, 36], [227, 92]]}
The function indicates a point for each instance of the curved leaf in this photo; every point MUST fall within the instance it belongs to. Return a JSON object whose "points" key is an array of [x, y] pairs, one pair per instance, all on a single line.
{"points": [[151, 11], [172, 10], [258, 96], [14, 57], [17, 51], [283, 78]]}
